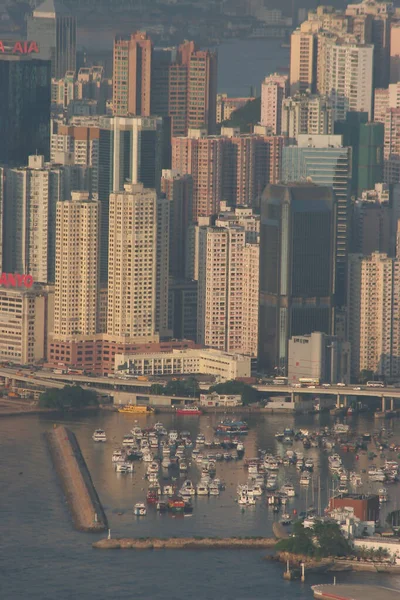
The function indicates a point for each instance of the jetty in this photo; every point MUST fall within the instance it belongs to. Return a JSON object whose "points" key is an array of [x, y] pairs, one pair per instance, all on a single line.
{"points": [[83, 501], [191, 543]]}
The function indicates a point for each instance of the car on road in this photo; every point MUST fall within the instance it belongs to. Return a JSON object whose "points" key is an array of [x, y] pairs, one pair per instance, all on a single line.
{"points": [[326, 385], [357, 388], [341, 384]]}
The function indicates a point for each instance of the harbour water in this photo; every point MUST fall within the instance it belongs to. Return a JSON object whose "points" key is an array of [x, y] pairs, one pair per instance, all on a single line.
{"points": [[44, 557]]}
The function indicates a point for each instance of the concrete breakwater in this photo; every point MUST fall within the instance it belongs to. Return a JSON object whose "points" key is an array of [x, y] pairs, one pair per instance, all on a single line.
{"points": [[192, 543], [85, 506]]}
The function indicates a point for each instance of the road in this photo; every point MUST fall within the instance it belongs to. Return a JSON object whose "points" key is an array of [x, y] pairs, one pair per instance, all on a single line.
{"points": [[106, 385]]}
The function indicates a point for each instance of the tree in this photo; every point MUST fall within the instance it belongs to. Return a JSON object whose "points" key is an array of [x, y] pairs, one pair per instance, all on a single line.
{"points": [[187, 387], [300, 542], [245, 117], [365, 375], [70, 396], [157, 389], [330, 540], [247, 392]]}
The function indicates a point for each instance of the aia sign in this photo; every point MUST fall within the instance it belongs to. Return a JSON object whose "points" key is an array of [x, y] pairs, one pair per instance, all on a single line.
{"points": [[15, 280], [21, 47]]}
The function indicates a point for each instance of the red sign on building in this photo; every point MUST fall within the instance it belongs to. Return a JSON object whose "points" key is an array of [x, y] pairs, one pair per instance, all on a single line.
{"points": [[15, 280], [18, 47]]}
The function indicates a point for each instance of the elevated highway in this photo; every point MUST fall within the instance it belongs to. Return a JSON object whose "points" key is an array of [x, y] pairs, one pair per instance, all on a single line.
{"points": [[110, 385]]}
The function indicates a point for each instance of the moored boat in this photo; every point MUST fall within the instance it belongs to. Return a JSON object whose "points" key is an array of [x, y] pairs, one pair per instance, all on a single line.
{"points": [[188, 410], [99, 436], [139, 509]]}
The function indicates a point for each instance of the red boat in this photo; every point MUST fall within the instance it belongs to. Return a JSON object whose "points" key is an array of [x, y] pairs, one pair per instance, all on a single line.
{"points": [[188, 410], [176, 504], [152, 497]]}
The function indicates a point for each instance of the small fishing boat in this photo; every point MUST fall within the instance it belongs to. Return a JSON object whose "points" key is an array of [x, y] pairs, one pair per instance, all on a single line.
{"points": [[139, 509]]}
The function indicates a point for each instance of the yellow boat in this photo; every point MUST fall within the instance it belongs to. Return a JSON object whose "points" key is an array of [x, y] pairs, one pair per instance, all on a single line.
{"points": [[134, 409]]}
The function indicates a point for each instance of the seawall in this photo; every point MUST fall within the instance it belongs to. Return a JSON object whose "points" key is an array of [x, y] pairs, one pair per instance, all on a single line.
{"points": [[83, 501], [192, 543]]}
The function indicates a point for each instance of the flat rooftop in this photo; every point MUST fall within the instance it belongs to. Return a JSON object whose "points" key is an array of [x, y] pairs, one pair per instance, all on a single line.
{"points": [[354, 592]]}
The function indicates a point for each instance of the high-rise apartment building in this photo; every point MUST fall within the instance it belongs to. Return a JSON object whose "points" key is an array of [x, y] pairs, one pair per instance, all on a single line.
{"points": [[394, 75], [29, 197], [324, 161], [297, 267], [130, 151], [391, 148], [373, 326], [227, 310], [53, 27], [25, 92], [162, 266], [303, 67], [178, 190], [274, 90], [306, 113], [345, 74], [233, 167], [202, 90], [202, 158], [381, 14], [180, 84], [373, 222], [132, 75], [77, 266], [80, 143], [132, 264]]}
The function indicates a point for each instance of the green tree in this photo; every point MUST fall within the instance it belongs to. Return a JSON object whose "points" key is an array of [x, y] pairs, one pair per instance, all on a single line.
{"points": [[157, 389], [245, 117], [248, 393], [365, 375], [300, 542], [187, 388], [70, 396], [330, 540]]}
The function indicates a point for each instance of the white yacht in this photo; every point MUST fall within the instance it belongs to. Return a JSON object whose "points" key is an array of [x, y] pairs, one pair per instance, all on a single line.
{"points": [[183, 466], [168, 490], [128, 440], [214, 490], [99, 436], [147, 456], [123, 468], [305, 478], [202, 489], [376, 474], [118, 455], [153, 467], [140, 509], [188, 487], [288, 489]]}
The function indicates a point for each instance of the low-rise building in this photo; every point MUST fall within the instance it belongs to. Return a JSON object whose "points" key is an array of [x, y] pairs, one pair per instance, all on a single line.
{"points": [[318, 356], [292, 404], [207, 361], [365, 507], [215, 399], [392, 546]]}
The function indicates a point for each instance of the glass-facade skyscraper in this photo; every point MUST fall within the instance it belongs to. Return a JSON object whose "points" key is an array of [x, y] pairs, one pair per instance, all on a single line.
{"points": [[323, 160], [53, 27], [25, 95], [297, 267]]}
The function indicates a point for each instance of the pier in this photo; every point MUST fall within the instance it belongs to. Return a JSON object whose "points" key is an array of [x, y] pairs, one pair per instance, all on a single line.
{"points": [[83, 501], [191, 543]]}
